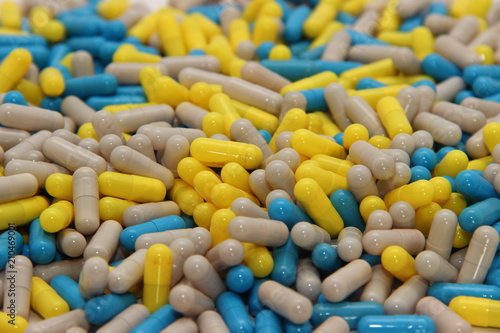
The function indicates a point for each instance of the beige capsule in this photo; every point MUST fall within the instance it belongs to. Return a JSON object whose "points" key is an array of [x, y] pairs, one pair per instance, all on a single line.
{"points": [[211, 322], [86, 200], [442, 233], [403, 215], [126, 320], [69, 124], [366, 23], [30, 118], [72, 156], [379, 287], [18, 186], [343, 282], [149, 211], [174, 65], [160, 135], [176, 149], [307, 235], [466, 29], [71, 242], [41, 170], [443, 131], [77, 110], [107, 144], [90, 144], [128, 160], [190, 115], [24, 145], [403, 58], [308, 281], [9, 137], [457, 258], [254, 72], [281, 177], [289, 155], [182, 248], [82, 64], [404, 142], [189, 76], [376, 241], [105, 241], [449, 88], [128, 73], [61, 323], [423, 139], [404, 299], [226, 254], [292, 100], [67, 135], [446, 320], [379, 220], [105, 123], [17, 286], [359, 111], [246, 207], [265, 232], [185, 325], [380, 164], [409, 98], [488, 108], [130, 120], [128, 273], [189, 301], [143, 145], [203, 276], [361, 183], [439, 24], [427, 98], [93, 277], [71, 268], [456, 52], [285, 301], [259, 185], [349, 245], [336, 98], [275, 194], [333, 324], [134, 13], [242, 130], [435, 268]]}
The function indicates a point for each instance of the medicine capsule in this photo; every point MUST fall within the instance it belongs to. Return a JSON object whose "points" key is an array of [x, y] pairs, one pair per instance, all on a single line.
{"points": [[75, 318], [71, 242], [203, 276], [403, 300], [398, 323], [189, 301], [258, 231], [477, 311], [376, 241], [337, 286], [126, 320], [13, 68], [45, 300], [157, 275], [131, 187], [397, 261], [435, 268], [86, 200]]}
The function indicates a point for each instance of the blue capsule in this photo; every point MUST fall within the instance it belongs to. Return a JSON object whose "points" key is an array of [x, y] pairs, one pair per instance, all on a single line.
{"points": [[463, 95], [264, 49], [325, 257], [338, 67], [472, 72], [345, 18], [130, 234], [286, 259], [91, 44], [419, 172], [315, 99], [68, 289], [266, 135], [233, 311], [14, 97], [114, 30], [351, 312], [493, 98], [157, 321], [99, 102], [57, 53], [313, 54], [411, 23], [339, 138], [293, 25], [358, 38], [445, 292], [267, 321], [493, 277], [52, 103], [396, 324], [101, 309], [441, 153], [439, 68], [438, 8], [42, 244], [369, 83], [11, 244], [22, 41], [287, 212], [424, 157], [254, 303], [485, 86], [296, 69], [88, 86], [473, 186], [77, 25], [485, 212], [299, 47], [239, 279], [347, 207], [372, 259]]}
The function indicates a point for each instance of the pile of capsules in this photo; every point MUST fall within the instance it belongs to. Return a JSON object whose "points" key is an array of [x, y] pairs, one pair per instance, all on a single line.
{"points": [[250, 166]]}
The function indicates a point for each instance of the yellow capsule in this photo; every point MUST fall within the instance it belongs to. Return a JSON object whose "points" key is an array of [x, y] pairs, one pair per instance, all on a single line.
{"points": [[10, 15], [238, 32], [329, 181], [451, 164], [148, 77], [213, 123], [280, 52], [221, 103], [380, 141], [57, 216], [31, 91], [477, 311], [235, 175], [262, 120], [223, 195], [52, 82], [353, 7], [329, 127], [10, 31], [417, 194], [200, 93], [185, 196], [442, 189], [336, 165], [202, 214], [157, 276], [293, 120], [317, 205], [45, 300], [13, 68], [188, 168], [487, 54], [424, 216], [320, 80], [462, 238], [479, 163], [389, 19], [219, 225], [397, 261], [396, 38], [327, 34], [208, 27], [258, 259], [353, 133], [21, 212], [384, 67], [324, 12], [393, 117], [146, 27], [168, 91], [122, 107], [266, 29], [459, 8], [479, 8], [129, 53], [372, 96], [370, 204], [131, 187], [87, 131], [217, 153], [272, 9], [455, 203], [220, 48], [314, 123], [491, 135], [194, 39], [112, 9], [12, 324], [309, 144], [112, 208], [422, 42], [60, 186], [170, 35], [204, 182], [39, 16], [410, 79]]}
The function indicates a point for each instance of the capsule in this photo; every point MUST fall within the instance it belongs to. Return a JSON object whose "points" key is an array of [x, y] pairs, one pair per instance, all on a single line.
{"points": [[225, 254], [93, 277], [397, 261], [131, 187], [71, 242], [211, 321], [477, 311], [396, 323], [446, 320], [404, 299], [203, 276], [60, 323], [45, 300], [349, 245], [189, 301], [435, 268], [337, 286], [86, 200], [157, 275], [126, 320]]}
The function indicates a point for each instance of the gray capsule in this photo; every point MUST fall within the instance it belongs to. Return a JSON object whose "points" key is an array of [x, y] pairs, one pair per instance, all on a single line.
{"points": [[30, 118]]}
